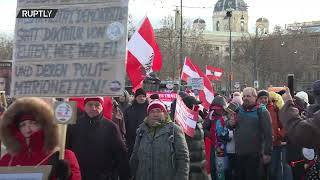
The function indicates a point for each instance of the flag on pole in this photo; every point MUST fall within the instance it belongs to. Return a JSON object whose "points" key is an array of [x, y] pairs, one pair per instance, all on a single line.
{"points": [[191, 70], [214, 73], [144, 55]]}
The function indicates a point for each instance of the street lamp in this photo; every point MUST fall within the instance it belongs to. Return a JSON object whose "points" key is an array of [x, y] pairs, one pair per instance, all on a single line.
{"points": [[229, 15]]}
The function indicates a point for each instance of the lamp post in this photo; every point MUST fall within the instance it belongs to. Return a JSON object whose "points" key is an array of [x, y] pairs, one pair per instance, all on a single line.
{"points": [[181, 26], [229, 15]]}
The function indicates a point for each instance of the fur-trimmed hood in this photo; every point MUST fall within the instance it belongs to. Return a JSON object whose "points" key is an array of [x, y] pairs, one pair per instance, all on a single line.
{"points": [[43, 114]]}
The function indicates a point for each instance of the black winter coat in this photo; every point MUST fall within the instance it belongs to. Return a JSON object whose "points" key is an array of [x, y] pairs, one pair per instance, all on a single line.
{"points": [[133, 117], [197, 154], [99, 148]]}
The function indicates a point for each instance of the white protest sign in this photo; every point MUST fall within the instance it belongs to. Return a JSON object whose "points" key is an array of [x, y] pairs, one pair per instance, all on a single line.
{"points": [[25, 173], [196, 83], [79, 52], [185, 117]]}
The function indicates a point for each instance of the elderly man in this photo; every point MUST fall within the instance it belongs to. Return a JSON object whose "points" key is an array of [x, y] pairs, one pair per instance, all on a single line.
{"points": [[97, 144], [253, 136], [160, 151]]}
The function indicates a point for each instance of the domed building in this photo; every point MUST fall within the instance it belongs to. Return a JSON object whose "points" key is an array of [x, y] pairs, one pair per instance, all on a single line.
{"points": [[199, 24], [262, 26], [238, 20]]}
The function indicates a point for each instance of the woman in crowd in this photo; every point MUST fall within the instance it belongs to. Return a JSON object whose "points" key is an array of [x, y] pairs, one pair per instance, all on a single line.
{"points": [[30, 134]]}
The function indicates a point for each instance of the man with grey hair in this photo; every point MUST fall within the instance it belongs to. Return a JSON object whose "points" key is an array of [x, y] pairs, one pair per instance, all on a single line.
{"points": [[253, 136]]}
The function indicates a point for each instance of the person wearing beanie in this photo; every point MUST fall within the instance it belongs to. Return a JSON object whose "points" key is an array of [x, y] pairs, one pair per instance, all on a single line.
{"points": [[237, 98], [263, 97], [273, 102], [123, 101], [31, 137], [315, 90], [304, 96], [140, 92], [154, 97], [96, 142], [134, 116], [253, 135], [160, 151], [215, 129]]}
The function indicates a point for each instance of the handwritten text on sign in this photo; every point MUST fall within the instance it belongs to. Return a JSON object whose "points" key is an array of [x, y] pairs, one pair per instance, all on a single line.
{"points": [[79, 52], [196, 83], [185, 117], [166, 97]]}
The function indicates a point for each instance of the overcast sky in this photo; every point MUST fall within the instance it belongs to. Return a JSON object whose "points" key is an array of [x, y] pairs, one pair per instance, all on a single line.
{"points": [[279, 12]]}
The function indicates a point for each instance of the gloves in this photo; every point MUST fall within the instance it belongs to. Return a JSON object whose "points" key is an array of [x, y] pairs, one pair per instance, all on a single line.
{"points": [[63, 170], [60, 168]]}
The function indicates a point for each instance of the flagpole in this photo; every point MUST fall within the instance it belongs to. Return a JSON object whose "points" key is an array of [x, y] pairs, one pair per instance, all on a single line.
{"points": [[181, 57]]}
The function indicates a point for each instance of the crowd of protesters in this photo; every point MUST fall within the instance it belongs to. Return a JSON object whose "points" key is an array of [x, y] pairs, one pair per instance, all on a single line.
{"points": [[252, 135]]}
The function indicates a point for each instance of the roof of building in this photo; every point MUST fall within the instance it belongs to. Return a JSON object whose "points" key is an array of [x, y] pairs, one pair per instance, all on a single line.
{"points": [[262, 19], [199, 20], [236, 5]]}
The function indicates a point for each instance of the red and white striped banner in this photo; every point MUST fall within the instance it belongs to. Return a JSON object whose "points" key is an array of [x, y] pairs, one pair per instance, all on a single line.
{"points": [[214, 73], [185, 117]]}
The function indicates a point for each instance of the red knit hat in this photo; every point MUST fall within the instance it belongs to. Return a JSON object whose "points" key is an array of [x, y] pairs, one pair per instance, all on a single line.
{"points": [[24, 117], [156, 104], [98, 98]]}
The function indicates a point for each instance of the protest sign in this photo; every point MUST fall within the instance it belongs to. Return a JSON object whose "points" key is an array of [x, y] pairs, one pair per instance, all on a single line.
{"points": [[195, 83], [25, 173], [79, 52], [166, 97], [185, 117]]}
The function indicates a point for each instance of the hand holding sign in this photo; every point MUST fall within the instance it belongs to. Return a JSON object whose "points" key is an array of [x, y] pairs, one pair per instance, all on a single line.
{"points": [[65, 113]]}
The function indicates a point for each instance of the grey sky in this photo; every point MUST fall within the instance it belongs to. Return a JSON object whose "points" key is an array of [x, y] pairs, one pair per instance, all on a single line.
{"points": [[277, 11]]}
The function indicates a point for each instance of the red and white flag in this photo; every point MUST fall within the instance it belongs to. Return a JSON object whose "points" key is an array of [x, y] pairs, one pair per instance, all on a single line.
{"points": [[144, 55], [214, 73], [185, 117], [191, 70]]}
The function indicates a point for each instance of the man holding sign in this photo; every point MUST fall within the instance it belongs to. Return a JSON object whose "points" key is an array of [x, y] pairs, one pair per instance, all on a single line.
{"points": [[31, 136]]}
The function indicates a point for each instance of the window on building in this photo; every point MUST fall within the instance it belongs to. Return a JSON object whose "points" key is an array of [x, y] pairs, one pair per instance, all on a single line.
{"points": [[218, 26], [242, 26], [217, 48], [310, 78], [227, 49], [318, 75]]}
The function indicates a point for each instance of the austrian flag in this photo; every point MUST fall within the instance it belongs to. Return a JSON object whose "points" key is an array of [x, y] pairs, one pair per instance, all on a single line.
{"points": [[144, 55], [191, 70], [214, 73]]}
